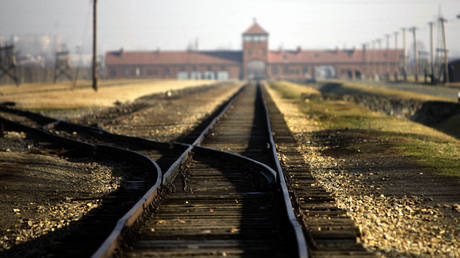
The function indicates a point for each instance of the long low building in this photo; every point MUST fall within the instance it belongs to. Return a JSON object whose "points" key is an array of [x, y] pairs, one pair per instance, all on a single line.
{"points": [[255, 61]]}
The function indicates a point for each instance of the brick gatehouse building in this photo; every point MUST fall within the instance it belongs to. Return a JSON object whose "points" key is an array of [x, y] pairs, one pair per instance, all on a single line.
{"points": [[255, 61]]}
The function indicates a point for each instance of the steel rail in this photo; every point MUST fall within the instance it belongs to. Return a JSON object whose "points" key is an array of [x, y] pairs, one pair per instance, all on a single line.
{"points": [[270, 176], [103, 150], [110, 244], [199, 139], [302, 248]]}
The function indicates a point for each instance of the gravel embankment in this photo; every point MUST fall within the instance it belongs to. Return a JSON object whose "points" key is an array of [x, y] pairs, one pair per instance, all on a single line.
{"points": [[41, 192], [391, 223]]}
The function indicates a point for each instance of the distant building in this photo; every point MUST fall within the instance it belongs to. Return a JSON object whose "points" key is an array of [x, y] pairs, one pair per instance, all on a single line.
{"points": [[255, 61]]}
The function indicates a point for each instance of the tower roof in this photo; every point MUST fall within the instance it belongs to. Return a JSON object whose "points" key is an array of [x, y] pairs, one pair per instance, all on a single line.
{"points": [[255, 29]]}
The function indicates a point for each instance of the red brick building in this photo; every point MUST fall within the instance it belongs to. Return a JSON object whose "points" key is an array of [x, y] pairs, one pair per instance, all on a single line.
{"points": [[255, 61]]}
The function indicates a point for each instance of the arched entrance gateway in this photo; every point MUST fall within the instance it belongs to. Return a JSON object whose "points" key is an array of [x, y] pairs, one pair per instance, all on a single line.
{"points": [[255, 53], [256, 70]]}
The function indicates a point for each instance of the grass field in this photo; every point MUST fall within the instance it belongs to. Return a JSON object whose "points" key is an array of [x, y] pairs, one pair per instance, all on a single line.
{"points": [[427, 146], [65, 96], [391, 92]]}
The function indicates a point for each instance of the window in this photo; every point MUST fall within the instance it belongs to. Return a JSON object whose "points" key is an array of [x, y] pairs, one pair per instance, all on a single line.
{"points": [[249, 52], [113, 72], [275, 70], [166, 71]]}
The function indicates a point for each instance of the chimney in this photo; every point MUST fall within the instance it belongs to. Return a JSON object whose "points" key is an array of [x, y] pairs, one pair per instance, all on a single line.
{"points": [[299, 49], [121, 51]]}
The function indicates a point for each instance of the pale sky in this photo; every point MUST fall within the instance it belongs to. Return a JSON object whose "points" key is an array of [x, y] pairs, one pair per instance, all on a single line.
{"points": [[173, 24]]}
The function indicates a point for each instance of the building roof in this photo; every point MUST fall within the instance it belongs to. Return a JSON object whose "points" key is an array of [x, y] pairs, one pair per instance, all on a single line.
{"points": [[334, 56], [173, 57], [255, 29], [235, 57]]}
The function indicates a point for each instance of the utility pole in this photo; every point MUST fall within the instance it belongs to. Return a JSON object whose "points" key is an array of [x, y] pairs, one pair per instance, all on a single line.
{"points": [[396, 39], [396, 56], [95, 45], [387, 58], [413, 29], [431, 53], [372, 59], [404, 53], [365, 68], [446, 58], [379, 44]]}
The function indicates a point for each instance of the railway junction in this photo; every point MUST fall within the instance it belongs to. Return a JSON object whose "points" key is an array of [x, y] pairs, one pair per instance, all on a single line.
{"points": [[231, 169]]}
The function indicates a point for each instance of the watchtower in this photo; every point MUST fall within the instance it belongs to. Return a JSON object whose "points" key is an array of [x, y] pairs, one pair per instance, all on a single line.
{"points": [[8, 63], [62, 66], [255, 52]]}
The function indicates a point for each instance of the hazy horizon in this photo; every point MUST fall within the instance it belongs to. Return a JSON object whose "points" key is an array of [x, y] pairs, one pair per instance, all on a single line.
{"points": [[173, 25]]}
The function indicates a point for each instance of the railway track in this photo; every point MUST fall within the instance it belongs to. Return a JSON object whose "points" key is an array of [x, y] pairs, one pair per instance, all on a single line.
{"points": [[222, 192], [249, 187], [222, 203], [139, 172], [329, 231]]}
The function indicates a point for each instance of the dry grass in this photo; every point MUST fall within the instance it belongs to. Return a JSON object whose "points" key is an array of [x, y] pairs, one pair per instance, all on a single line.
{"points": [[297, 88], [63, 95], [427, 145]]}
